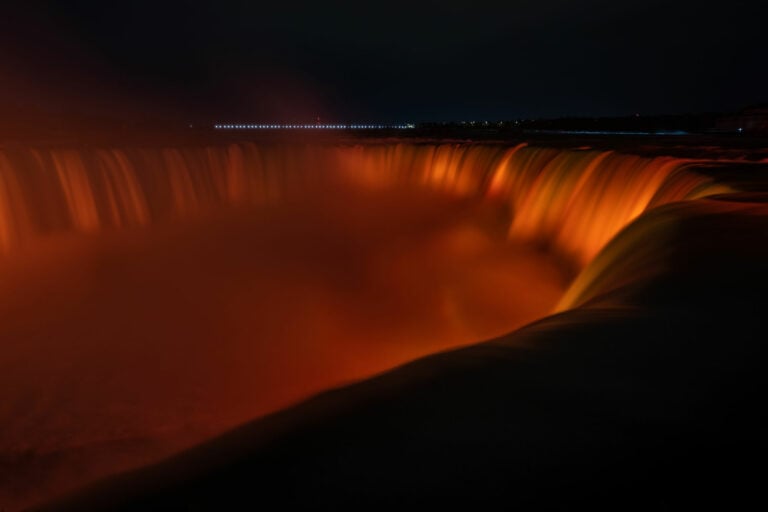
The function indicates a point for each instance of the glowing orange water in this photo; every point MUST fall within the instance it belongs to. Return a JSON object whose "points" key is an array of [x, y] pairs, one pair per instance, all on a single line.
{"points": [[150, 298], [574, 200]]}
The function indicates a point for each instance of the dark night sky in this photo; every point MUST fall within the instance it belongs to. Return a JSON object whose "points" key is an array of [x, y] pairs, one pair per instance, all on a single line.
{"points": [[384, 61]]}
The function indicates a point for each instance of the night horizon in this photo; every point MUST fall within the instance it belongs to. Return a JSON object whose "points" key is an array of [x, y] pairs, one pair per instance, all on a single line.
{"points": [[388, 62]]}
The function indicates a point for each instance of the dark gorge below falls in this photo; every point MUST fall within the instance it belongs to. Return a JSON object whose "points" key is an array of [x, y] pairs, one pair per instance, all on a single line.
{"points": [[215, 326]]}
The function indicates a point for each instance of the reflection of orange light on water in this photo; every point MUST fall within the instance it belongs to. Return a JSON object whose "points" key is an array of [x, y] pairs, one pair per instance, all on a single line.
{"points": [[217, 284]]}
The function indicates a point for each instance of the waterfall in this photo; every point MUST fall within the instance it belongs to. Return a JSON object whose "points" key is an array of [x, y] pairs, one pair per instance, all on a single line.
{"points": [[572, 201]]}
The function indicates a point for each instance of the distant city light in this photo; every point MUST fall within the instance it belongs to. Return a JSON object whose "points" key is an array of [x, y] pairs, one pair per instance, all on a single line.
{"points": [[407, 126], [610, 132]]}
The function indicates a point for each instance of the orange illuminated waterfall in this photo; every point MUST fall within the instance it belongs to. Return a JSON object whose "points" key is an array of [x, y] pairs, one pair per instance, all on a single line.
{"points": [[154, 297], [572, 201]]}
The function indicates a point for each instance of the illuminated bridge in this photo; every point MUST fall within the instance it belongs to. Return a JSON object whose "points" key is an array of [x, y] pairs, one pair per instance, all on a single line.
{"points": [[314, 126]]}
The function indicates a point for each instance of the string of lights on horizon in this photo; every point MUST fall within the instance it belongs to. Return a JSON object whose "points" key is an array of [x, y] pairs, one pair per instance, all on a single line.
{"points": [[314, 126]]}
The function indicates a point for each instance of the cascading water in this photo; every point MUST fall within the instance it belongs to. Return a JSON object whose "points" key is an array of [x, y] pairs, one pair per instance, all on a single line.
{"points": [[574, 200], [164, 295]]}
